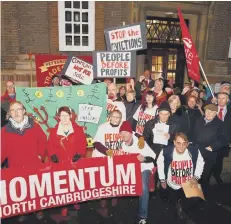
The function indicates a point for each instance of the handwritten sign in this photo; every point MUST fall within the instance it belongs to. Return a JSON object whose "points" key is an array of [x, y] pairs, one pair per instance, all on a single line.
{"points": [[114, 64], [89, 113], [126, 38], [78, 70]]}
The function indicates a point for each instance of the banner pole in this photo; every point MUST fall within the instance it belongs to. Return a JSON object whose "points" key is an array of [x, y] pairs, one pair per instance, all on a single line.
{"points": [[202, 70]]}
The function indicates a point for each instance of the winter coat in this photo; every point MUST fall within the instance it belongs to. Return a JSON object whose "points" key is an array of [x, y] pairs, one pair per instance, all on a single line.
{"points": [[23, 148], [148, 133], [66, 147], [131, 108], [227, 130], [210, 134], [188, 119]]}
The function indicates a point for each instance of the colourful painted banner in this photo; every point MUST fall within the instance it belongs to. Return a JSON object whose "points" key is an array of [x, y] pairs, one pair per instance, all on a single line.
{"points": [[87, 101]]}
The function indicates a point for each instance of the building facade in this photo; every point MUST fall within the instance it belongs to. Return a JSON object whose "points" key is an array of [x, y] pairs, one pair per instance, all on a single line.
{"points": [[74, 27]]}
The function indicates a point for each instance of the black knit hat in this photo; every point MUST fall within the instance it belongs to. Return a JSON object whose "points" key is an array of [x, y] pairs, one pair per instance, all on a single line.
{"points": [[165, 106]]}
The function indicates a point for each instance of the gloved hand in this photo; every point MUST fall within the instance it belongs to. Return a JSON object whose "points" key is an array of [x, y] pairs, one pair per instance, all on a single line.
{"points": [[141, 142], [109, 152], [76, 157], [54, 158]]}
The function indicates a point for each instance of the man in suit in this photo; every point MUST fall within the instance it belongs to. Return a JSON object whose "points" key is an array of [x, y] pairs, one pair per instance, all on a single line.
{"points": [[224, 114]]}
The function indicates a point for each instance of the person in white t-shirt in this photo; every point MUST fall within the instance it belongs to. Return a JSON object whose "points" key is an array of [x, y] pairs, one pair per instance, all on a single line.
{"points": [[146, 156], [144, 113], [178, 164], [113, 103]]}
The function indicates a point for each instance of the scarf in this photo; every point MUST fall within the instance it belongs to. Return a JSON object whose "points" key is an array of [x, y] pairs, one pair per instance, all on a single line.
{"points": [[21, 125]]}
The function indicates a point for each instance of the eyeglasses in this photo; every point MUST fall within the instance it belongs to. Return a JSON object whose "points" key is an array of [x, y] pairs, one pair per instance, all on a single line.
{"points": [[19, 110], [10, 87], [115, 117]]}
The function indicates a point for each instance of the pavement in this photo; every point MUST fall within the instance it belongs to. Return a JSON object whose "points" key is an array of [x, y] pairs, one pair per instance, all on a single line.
{"points": [[216, 209]]}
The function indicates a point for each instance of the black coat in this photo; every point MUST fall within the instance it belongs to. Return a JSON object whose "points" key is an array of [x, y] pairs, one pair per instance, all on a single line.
{"points": [[174, 127], [210, 134], [131, 108], [227, 130], [138, 88], [188, 119]]}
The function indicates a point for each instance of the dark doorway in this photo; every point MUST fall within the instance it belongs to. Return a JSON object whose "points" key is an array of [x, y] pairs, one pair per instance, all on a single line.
{"points": [[165, 52]]}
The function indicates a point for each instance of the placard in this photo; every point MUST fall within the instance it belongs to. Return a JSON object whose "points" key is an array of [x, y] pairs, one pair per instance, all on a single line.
{"points": [[52, 185], [126, 38], [89, 113], [78, 70], [109, 64]]}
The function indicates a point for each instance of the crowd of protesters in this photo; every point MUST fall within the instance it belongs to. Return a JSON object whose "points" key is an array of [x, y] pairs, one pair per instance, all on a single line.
{"points": [[198, 138]]}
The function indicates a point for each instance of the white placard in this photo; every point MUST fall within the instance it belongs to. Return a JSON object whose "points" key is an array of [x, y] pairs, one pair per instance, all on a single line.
{"points": [[113, 64], [89, 113], [79, 70], [158, 133]]}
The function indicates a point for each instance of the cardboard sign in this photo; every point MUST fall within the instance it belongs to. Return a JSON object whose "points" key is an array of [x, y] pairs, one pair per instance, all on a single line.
{"points": [[26, 190], [114, 64], [89, 113], [78, 70], [126, 38]]}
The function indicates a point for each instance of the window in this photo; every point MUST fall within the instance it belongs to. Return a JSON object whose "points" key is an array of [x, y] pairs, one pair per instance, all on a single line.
{"points": [[76, 25], [163, 30]]}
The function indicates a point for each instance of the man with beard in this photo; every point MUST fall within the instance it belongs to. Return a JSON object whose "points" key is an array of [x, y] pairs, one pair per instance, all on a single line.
{"points": [[113, 103]]}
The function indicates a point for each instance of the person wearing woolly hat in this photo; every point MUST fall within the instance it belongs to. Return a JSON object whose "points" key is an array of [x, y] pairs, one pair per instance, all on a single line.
{"points": [[164, 117], [146, 157]]}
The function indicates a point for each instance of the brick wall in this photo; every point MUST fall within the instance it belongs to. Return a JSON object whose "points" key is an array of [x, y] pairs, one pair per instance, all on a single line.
{"points": [[219, 40], [34, 28], [9, 34]]}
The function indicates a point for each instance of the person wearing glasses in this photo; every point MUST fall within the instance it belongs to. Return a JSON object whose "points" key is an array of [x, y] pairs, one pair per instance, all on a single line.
{"points": [[176, 165], [23, 143]]}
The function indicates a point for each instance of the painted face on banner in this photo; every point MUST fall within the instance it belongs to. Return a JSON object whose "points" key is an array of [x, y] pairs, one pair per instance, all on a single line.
{"points": [[17, 112], [65, 118]]}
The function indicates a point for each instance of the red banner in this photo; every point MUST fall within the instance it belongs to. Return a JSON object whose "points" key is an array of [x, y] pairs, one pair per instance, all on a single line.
{"points": [[191, 55], [49, 65], [27, 190]]}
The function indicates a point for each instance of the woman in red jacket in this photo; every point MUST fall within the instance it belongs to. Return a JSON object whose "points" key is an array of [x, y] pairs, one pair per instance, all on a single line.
{"points": [[67, 141]]}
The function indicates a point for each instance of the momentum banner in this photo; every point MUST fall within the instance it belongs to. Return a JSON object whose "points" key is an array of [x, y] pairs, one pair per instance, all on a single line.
{"points": [[27, 190], [48, 65]]}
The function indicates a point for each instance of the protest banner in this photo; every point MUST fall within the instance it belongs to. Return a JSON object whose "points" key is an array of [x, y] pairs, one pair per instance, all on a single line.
{"points": [[27, 190], [126, 38], [78, 70], [114, 64], [48, 65], [42, 104]]}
